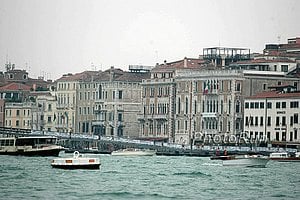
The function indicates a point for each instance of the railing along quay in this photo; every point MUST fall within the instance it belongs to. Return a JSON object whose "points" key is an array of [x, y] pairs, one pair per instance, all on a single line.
{"points": [[97, 144]]}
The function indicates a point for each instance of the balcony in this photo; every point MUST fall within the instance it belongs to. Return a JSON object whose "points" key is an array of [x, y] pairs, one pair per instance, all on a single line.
{"points": [[98, 123], [209, 115], [98, 111]]}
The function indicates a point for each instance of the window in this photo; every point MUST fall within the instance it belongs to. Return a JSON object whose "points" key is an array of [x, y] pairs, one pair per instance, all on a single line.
{"points": [[247, 105], [186, 105], [261, 121], [277, 136], [120, 94], [17, 123], [269, 121], [256, 105], [179, 104], [283, 137], [284, 68], [120, 117], [264, 86], [262, 105], [295, 118], [268, 135], [18, 112], [294, 104], [49, 119], [247, 121], [277, 121], [256, 121], [252, 105], [291, 120], [277, 104], [269, 105], [283, 104], [251, 121], [283, 121], [238, 87]]}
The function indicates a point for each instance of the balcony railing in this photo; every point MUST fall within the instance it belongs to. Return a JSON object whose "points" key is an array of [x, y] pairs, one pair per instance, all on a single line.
{"points": [[209, 115]]}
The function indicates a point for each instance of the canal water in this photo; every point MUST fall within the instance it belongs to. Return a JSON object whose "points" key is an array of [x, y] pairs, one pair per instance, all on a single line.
{"points": [[157, 177]]}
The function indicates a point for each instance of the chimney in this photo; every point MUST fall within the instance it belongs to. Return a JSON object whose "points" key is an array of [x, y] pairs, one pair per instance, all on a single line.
{"points": [[111, 74], [185, 62]]}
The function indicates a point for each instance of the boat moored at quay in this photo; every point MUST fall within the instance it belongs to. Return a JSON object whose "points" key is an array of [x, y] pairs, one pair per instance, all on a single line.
{"points": [[285, 157], [30, 146], [246, 161]]}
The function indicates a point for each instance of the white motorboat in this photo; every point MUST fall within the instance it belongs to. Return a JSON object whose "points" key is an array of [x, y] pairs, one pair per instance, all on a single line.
{"points": [[76, 162], [246, 161], [30, 146], [285, 157], [133, 152]]}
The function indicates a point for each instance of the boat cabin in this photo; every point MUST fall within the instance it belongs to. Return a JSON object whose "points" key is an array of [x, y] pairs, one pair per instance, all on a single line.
{"points": [[7, 142], [35, 141], [279, 155]]}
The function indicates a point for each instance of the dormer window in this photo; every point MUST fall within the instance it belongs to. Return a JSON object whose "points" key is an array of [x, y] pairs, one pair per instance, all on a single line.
{"points": [[11, 76], [24, 76]]}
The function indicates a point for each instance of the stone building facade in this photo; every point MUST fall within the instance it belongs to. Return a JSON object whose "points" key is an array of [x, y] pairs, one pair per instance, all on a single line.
{"points": [[273, 116], [188, 98], [118, 103]]}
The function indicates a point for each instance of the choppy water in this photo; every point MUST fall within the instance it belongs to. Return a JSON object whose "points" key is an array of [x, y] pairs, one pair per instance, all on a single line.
{"points": [[156, 177]]}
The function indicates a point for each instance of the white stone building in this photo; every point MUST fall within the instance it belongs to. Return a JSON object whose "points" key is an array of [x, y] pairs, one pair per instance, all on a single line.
{"points": [[273, 115]]}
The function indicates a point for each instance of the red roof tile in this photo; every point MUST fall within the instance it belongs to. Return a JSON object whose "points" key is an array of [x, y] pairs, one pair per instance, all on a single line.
{"points": [[274, 94], [15, 87], [186, 63]]}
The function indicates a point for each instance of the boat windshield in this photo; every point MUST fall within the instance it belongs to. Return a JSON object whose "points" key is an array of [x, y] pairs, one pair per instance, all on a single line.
{"points": [[7, 142], [35, 141]]}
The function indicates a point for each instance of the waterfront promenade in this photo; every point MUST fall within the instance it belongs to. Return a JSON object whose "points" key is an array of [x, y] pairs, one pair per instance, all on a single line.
{"points": [[105, 145]]}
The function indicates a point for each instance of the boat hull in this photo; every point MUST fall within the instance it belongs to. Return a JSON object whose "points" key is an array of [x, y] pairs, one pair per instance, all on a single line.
{"points": [[246, 162], [286, 159], [90, 166], [33, 152], [77, 162]]}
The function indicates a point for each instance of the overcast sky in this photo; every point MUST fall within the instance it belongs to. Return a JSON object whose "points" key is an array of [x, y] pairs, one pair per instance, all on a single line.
{"points": [[54, 37]]}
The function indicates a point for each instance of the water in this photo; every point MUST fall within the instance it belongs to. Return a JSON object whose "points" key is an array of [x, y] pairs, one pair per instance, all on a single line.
{"points": [[156, 177]]}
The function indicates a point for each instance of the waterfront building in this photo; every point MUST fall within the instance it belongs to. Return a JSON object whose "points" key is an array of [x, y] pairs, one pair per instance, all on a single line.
{"points": [[157, 118], [118, 102], [180, 100], [44, 112], [19, 114], [208, 102], [274, 115], [68, 93], [87, 93]]}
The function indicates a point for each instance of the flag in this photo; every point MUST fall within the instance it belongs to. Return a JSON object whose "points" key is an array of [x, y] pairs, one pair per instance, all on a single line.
{"points": [[66, 114], [206, 87]]}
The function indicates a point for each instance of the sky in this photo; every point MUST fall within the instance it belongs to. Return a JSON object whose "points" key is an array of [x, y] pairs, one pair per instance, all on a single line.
{"points": [[53, 37]]}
